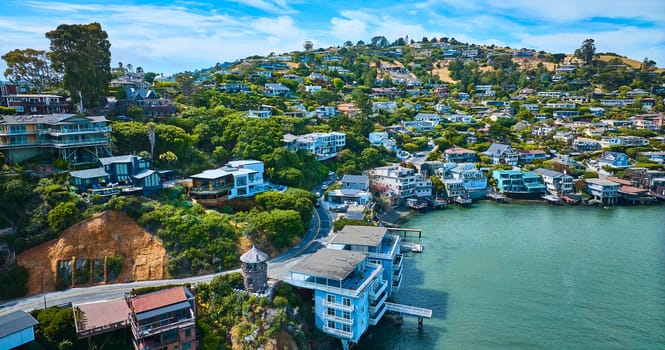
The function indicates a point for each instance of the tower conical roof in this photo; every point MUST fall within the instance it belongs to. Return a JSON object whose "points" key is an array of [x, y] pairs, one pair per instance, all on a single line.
{"points": [[253, 255]]}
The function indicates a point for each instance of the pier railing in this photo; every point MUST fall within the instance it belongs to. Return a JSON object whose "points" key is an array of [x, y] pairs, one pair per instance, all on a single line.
{"points": [[409, 310]]}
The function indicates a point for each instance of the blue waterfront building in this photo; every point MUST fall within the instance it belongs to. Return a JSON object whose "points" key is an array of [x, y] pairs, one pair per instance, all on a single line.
{"points": [[382, 248], [473, 180], [342, 281], [518, 184], [352, 280]]}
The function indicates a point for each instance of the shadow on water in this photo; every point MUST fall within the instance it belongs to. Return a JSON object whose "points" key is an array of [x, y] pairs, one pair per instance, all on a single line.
{"points": [[388, 335]]}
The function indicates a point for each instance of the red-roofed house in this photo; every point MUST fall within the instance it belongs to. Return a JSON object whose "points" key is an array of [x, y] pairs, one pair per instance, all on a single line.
{"points": [[164, 319], [460, 155]]}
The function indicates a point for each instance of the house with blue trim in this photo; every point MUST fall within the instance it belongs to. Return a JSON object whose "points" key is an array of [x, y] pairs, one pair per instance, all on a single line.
{"points": [[126, 170], [381, 246], [502, 154], [614, 160], [352, 280], [16, 329], [342, 281], [518, 184]]}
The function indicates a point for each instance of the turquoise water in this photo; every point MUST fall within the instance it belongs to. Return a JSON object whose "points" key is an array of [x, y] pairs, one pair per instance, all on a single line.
{"points": [[530, 276]]}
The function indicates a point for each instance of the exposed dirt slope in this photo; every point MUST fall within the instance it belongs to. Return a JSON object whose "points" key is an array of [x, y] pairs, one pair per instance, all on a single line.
{"points": [[111, 233]]}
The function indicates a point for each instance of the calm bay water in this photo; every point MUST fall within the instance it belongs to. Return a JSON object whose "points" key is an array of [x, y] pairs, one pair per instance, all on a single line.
{"points": [[529, 276]]}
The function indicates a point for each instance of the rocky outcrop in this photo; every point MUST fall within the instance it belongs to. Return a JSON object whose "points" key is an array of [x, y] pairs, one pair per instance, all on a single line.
{"points": [[111, 233]]}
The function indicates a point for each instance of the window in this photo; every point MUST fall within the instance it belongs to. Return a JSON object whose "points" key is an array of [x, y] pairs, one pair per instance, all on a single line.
{"points": [[346, 328], [331, 298], [331, 324], [331, 311], [186, 346], [188, 333], [346, 315], [346, 302]]}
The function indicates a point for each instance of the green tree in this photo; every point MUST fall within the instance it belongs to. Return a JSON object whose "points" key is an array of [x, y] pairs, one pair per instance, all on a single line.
{"points": [[63, 215], [169, 157], [82, 52], [586, 51], [134, 112], [29, 65], [337, 84], [7, 110]]}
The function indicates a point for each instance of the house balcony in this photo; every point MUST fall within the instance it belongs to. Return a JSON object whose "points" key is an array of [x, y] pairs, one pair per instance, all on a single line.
{"points": [[78, 131], [378, 303], [17, 132], [374, 293], [80, 143], [141, 331], [397, 274], [338, 306], [338, 332], [398, 262], [343, 320], [207, 190], [397, 282], [376, 317], [21, 144]]}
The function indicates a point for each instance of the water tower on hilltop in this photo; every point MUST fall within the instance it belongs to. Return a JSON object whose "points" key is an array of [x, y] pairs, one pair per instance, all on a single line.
{"points": [[254, 268], [308, 45]]}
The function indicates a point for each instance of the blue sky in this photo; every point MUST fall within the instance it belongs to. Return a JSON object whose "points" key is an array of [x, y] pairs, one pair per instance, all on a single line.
{"points": [[178, 35]]}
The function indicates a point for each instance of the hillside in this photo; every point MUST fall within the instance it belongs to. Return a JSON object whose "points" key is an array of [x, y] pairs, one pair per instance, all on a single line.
{"points": [[635, 64], [111, 233]]}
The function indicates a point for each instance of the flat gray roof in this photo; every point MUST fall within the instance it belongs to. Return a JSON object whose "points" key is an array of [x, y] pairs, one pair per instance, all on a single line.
{"points": [[16, 322], [360, 235], [330, 263], [89, 173], [355, 178]]}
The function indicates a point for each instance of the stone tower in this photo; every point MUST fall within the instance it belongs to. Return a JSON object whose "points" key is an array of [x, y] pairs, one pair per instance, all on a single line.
{"points": [[255, 270]]}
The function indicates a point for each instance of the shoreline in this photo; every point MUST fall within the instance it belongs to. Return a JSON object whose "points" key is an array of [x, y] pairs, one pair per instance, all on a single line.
{"points": [[405, 213]]}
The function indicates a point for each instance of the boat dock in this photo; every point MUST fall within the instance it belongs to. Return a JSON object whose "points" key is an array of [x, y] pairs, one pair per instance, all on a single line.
{"points": [[402, 309], [464, 201], [551, 198], [414, 247], [402, 232], [416, 204], [439, 203], [496, 196]]}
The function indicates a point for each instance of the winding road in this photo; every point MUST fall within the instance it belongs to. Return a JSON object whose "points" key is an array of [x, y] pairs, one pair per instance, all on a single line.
{"points": [[278, 268]]}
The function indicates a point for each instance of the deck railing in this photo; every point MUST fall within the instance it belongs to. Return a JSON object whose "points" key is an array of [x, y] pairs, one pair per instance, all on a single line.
{"points": [[339, 306], [335, 318]]}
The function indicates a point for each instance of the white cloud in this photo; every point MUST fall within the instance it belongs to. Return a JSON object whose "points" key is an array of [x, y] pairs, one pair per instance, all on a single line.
{"points": [[189, 35], [277, 6]]}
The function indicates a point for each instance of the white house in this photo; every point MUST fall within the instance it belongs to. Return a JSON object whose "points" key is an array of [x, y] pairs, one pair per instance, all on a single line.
{"points": [[323, 145]]}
